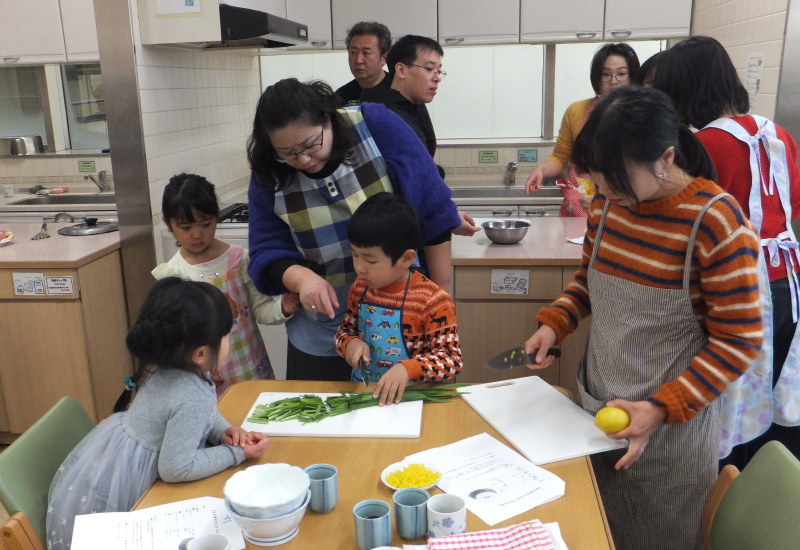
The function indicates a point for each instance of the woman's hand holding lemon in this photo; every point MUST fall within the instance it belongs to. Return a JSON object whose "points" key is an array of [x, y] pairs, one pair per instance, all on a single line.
{"points": [[645, 418]]}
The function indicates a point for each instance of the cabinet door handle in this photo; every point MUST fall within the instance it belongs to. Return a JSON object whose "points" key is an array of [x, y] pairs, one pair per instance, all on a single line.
{"points": [[621, 34], [319, 43], [454, 40], [10, 59], [585, 35], [501, 212], [538, 212]]}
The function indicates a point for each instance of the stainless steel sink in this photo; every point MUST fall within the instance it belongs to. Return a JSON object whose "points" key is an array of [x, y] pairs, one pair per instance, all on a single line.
{"points": [[503, 193], [72, 199]]}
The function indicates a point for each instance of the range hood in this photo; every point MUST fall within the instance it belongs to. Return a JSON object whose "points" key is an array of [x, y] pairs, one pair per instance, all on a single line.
{"points": [[218, 24]]}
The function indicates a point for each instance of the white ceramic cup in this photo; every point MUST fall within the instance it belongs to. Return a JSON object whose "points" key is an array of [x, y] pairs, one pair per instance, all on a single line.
{"points": [[212, 541], [447, 515], [324, 488], [8, 190]]}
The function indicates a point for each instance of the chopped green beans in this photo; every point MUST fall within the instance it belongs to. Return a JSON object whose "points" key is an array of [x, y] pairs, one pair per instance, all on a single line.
{"points": [[310, 408]]}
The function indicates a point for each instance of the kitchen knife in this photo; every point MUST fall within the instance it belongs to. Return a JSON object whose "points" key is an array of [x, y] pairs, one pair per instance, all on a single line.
{"points": [[365, 372], [516, 357]]}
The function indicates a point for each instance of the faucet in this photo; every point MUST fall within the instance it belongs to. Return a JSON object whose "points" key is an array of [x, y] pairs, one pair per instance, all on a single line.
{"points": [[511, 170], [100, 182]]}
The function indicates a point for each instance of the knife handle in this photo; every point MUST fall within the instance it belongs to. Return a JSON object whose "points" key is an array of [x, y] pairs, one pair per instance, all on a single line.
{"points": [[555, 352]]}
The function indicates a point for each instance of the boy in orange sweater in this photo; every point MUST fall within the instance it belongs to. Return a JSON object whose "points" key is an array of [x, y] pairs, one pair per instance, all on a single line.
{"points": [[398, 322]]}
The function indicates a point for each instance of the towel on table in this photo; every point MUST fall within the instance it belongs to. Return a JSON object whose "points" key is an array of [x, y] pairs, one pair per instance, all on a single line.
{"points": [[528, 535]]}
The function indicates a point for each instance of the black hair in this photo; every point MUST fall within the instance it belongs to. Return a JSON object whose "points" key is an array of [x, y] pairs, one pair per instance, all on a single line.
{"points": [[647, 71], [371, 28], [636, 124], [699, 76], [407, 48], [187, 195], [287, 102], [602, 54], [176, 318], [388, 221]]}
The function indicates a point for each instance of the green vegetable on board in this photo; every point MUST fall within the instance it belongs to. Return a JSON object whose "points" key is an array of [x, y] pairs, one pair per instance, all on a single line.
{"points": [[311, 408]]}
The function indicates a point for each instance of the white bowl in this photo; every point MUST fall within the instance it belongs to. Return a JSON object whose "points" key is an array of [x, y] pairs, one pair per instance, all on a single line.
{"points": [[270, 531], [266, 490], [400, 465]]}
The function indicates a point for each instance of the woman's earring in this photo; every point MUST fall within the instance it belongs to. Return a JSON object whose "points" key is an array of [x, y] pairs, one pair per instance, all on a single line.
{"points": [[662, 176]]}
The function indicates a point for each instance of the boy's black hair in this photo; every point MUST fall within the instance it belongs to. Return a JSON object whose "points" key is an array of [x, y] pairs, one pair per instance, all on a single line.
{"points": [[387, 221], [187, 195], [407, 48], [176, 318]]}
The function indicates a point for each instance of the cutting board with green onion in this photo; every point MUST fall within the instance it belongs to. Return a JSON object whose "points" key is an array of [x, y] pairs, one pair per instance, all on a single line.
{"points": [[398, 420]]}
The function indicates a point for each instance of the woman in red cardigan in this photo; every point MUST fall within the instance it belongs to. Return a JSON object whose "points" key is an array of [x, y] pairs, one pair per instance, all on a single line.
{"points": [[756, 162]]}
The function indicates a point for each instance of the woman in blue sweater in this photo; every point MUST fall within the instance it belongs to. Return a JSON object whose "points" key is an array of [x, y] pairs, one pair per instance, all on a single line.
{"points": [[312, 166]]}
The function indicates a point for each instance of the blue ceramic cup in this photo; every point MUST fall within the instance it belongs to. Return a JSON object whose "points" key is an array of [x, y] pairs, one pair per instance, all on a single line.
{"points": [[411, 512], [373, 524], [324, 487]]}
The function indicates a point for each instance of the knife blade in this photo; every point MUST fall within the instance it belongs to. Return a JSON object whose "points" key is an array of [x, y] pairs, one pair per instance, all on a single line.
{"points": [[365, 372], [516, 357]]}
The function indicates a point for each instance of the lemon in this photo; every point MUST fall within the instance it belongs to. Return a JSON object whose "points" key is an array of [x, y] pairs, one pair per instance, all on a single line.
{"points": [[612, 419]]}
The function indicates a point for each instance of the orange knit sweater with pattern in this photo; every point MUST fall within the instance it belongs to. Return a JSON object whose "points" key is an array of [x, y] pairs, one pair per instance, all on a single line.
{"points": [[429, 325], [648, 247]]}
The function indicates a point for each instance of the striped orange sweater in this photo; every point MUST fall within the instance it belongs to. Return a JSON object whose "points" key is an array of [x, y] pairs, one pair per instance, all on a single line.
{"points": [[429, 326], [648, 247]]}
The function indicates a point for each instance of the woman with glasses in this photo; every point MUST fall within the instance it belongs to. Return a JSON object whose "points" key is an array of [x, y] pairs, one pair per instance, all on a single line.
{"points": [[312, 166], [756, 162], [612, 67]]}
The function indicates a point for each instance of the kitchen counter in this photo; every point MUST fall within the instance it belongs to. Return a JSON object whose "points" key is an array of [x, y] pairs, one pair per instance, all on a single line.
{"points": [[544, 244], [59, 251]]}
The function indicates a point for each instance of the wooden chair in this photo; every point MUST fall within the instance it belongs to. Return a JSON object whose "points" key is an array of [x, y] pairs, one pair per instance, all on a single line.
{"points": [[757, 508], [28, 466]]}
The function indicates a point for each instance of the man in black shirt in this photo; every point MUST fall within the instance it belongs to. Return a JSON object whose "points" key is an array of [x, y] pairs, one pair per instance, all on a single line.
{"points": [[367, 43]]}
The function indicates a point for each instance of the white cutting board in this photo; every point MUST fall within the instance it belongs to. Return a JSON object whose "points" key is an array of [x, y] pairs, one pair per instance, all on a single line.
{"points": [[400, 420], [539, 421]]}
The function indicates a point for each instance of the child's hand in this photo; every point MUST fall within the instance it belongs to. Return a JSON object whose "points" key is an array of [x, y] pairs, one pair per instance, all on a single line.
{"points": [[236, 436], [257, 445], [542, 340], [217, 378], [356, 349], [290, 303], [391, 383], [646, 417]]}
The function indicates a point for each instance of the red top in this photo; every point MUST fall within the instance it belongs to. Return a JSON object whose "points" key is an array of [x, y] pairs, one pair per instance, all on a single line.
{"points": [[732, 160]]}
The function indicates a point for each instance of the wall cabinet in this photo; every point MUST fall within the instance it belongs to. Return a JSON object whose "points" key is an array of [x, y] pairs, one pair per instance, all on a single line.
{"points": [[646, 19], [407, 17], [490, 323], [463, 22], [63, 345], [317, 15], [36, 32]]}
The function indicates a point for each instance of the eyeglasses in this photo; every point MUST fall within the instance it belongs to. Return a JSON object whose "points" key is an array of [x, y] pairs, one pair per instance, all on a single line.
{"points": [[308, 151], [431, 70], [621, 77]]}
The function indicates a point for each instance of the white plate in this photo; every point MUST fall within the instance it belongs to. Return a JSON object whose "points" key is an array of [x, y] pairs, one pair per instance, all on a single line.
{"points": [[400, 465]]}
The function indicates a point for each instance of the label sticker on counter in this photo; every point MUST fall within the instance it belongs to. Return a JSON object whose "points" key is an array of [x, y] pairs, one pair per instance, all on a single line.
{"points": [[59, 285], [28, 284], [510, 281]]}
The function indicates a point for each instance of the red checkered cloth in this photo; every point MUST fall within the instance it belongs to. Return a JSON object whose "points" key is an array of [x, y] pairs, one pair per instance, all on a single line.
{"points": [[528, 535]]}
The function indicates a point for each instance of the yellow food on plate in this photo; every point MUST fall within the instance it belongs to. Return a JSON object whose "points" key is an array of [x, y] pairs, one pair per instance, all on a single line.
{"points": [[412, 475], [612, 419]]}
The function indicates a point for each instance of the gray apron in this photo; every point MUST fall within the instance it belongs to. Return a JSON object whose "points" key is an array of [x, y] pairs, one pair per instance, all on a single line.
{"points": [[642, 337]]}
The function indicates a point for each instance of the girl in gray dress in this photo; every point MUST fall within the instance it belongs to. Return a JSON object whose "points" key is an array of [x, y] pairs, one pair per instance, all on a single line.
{"points": [[173, 429]]}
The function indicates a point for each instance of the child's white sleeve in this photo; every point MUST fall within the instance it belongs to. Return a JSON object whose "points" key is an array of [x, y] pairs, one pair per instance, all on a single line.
{"points": [[265, 309]]}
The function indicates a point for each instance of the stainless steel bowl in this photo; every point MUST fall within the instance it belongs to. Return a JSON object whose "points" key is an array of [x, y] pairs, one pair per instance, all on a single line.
{"points": [[505, 231]]}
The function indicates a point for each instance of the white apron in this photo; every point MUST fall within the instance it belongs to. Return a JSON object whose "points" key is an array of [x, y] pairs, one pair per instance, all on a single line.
{"points": [[750, 404]]}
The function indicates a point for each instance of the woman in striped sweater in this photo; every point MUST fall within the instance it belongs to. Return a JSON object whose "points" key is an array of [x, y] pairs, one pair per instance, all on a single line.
{"points": [[669, 276]]}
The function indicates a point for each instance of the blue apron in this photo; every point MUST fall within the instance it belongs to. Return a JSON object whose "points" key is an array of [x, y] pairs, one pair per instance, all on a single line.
{"points": [[381, 328], [750, 404]]}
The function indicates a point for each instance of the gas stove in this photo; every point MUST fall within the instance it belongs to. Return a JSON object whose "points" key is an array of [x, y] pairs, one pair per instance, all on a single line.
{"points": [[236, 213]]}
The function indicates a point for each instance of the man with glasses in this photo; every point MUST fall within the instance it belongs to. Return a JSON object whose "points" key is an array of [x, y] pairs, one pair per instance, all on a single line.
{"points": [[415, 69], [367, 44]]}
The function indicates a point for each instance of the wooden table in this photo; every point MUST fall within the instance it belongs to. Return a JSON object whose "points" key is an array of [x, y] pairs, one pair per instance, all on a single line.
{"points": [[360, 461]]}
